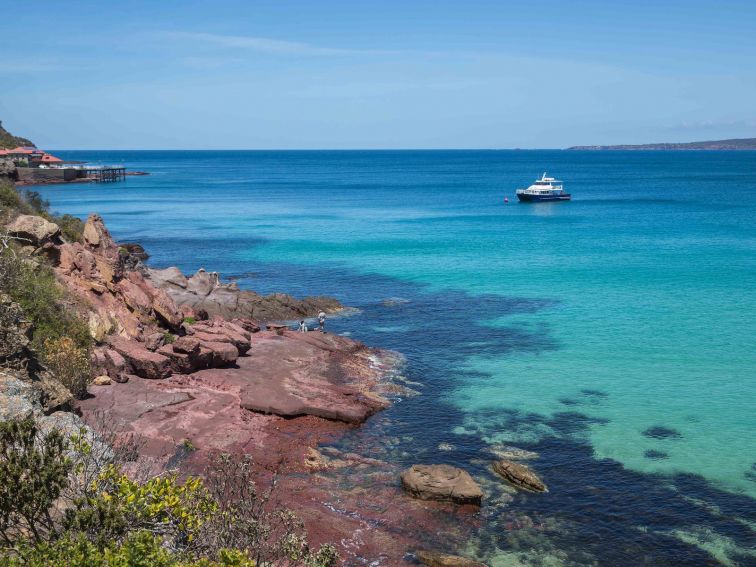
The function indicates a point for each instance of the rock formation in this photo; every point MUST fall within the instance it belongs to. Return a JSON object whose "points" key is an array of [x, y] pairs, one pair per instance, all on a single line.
{"points": [[205, 295], [436, 559], [441, 482], [519, 475]]}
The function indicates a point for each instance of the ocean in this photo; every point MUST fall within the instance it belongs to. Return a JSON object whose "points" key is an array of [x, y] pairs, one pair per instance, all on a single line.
{"points": [[613, 335]]}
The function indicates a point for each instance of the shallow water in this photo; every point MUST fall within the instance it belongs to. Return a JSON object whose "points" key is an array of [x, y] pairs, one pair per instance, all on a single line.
{"points": [[613, 335]]}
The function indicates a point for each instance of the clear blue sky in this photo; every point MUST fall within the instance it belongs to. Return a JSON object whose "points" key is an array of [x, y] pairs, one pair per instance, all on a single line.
{"points": [[376, 74]]}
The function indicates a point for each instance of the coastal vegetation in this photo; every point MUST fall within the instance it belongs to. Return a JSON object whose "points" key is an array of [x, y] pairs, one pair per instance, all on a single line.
{"points": [[8, 140], [73, 496], [61, 502]]}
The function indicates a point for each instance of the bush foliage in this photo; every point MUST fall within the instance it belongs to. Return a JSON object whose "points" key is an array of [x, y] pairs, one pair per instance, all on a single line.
{"points": [[62, 503]]}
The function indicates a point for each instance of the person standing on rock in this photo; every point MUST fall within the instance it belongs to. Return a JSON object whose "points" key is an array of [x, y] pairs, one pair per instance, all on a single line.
{"points": [[321, 321]]}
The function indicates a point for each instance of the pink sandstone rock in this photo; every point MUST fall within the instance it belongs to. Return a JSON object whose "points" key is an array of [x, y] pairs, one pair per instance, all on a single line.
{"points": [[223, 354], [186, 345], [141, 361]]}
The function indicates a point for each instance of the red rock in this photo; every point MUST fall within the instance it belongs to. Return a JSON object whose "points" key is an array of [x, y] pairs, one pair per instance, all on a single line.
{"points": [[223, 354], [116, 366], [134, 296], [181, 363], [141, 361], [165, 308], [360, 509], [154, 341], [186, 345], [238, 329], [222, 333], [249, 324]]}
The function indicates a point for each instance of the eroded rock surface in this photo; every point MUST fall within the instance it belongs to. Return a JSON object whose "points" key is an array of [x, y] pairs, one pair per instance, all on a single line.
{"points": [[35, 230], [204, 293], [519, 475], [436, 559], [441, 482]]}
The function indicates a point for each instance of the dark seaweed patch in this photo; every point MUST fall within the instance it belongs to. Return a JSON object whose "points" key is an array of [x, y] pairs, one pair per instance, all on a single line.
{"points": [[661, 432], [655, 455], [569, 401]]}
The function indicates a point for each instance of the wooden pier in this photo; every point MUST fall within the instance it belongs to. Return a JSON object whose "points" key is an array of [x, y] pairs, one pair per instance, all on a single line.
{"points": [[106, 174]]}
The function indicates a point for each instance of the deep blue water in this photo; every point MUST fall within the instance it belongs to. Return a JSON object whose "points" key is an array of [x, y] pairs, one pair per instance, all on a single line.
{"points": [[613, 335]]}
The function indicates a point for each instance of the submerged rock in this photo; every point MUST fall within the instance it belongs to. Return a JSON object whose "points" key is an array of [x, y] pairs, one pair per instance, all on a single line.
{"points": [[436, 559], [441, 482], [519, 475]]}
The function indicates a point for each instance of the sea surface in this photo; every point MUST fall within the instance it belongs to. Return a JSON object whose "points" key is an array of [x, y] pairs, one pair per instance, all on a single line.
{"points": [[613, 335]]}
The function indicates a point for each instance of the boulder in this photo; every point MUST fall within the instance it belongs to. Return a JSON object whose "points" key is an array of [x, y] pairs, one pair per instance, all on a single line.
{"points": [[154, 341], [116, 366], [53, 395], [222, 333], [247, 324], [181, 363], [223, 354], [95, 233], [141, 361], [18, 397], [165, 308], [186, 345], [436, 559], [169, 276], [135, 297], [101, 381], [441, 482], [519, 475], [36, 230]]}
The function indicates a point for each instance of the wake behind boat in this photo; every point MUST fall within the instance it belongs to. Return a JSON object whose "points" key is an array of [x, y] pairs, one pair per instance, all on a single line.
{"points": [[544, 189]]}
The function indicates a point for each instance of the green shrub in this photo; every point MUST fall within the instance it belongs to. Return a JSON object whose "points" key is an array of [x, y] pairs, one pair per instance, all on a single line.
{"points": [[35, 203], [42, 299], [34, 470], [62, 502], [140, 549], [9, 197], [169, 338], [71, 227], [69, 363], [190, 320]]}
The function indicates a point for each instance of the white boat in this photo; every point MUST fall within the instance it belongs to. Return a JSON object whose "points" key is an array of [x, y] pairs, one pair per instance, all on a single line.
{"points": [[544, 189]]}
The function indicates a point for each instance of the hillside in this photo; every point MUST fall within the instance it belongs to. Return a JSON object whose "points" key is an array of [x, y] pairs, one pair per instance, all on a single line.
{"points": [[8, 140], [734, 144]]}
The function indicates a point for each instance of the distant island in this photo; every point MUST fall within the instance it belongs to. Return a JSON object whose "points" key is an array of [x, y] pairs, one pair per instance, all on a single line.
{"points": [[735, 144]]}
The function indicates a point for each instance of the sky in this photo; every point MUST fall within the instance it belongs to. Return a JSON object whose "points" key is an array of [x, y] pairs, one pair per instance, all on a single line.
{"points": [[359, 74]]}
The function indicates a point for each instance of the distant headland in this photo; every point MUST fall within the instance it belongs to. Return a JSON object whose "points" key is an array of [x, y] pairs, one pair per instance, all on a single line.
{"points": [[734, 144]]}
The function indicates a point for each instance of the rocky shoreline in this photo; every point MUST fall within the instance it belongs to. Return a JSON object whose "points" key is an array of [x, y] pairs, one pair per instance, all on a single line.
{"points": [[186, 365]]}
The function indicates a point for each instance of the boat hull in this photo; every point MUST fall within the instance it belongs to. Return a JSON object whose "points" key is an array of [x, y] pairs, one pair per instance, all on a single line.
{"points": [[525, 198]]}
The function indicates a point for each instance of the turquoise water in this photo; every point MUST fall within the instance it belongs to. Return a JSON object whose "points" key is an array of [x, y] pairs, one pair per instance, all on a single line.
{"points": [[621, 324]]}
